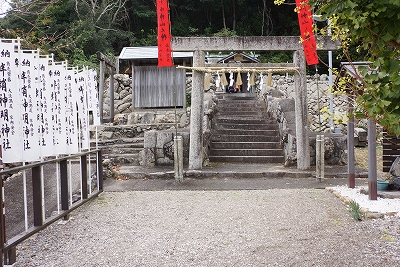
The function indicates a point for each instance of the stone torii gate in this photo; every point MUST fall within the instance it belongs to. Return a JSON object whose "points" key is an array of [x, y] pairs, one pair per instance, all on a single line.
{"points": [[248, 43]]}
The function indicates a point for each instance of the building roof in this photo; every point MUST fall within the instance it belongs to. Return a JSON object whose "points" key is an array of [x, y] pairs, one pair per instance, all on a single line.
{"points": [[238, 57], [147, 52], [352, 69]]}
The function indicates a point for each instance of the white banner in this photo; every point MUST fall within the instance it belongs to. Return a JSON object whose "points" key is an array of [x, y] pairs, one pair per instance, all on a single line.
{"points": [[45, 99], [71, 112], [93, 96], [28, 80], [11, 137], [59, 107], [44, 106], [83, 112]]}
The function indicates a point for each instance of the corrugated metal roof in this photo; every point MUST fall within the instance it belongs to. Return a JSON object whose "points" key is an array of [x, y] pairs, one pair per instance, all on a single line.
{"points": [[148, 52]]}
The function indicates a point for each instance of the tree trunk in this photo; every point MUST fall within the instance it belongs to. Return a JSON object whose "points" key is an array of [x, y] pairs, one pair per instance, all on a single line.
{"points": [[233, 15], [223, 14]]}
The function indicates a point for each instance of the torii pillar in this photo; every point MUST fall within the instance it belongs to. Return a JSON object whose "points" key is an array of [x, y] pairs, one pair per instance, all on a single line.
{"points": [[196, 114], [301, 117]]}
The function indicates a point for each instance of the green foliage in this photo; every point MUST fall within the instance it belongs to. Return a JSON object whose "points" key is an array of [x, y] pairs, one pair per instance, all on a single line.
{"points": [[374, 26], [355, 211], [373, 29]]}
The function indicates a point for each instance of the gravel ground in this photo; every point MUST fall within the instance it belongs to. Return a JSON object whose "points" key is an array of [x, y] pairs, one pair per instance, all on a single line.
{"points": [[279, 227]]}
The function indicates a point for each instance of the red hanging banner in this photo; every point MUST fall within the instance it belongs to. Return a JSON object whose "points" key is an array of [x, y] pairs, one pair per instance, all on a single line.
{"points": [[164, 35], [306, 31]]}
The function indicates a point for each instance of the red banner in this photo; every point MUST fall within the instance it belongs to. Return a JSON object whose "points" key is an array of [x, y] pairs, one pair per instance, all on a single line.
{"points": [[164, 35], [306, 31]]}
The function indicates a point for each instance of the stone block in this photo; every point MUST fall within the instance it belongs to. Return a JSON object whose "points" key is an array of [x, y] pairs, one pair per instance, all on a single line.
{"points": [[160, 153], [183, 121], [361, 133], [150, 139], [146, 158], [163, 137], [107, 135], [164, 161]]}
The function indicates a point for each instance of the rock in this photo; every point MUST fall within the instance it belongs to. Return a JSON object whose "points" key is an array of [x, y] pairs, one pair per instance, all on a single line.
{"points": [[374, 215], [396, 183], [148, 118], [124, 93], [108, 170], [120, 119], [124, 106], [395, 168]]}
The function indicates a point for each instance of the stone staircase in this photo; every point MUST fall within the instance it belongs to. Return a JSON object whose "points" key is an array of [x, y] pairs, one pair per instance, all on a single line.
{"points": [[121, 144], [242, 132]]}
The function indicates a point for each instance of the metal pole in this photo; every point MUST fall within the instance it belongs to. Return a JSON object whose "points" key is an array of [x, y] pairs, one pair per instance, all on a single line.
{"points": [[372, 171], [350, 145]]}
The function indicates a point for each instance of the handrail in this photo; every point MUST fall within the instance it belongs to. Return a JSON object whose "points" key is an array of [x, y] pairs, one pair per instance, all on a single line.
{"points": [[8, 247], [40, 163]]}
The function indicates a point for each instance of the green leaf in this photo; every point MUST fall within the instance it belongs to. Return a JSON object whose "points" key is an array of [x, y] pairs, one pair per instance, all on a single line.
{"points": [[387, 37], [351, 4]]}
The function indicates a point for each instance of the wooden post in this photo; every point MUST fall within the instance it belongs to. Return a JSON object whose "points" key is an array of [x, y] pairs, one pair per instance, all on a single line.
{"points": [[99, 170], [103, 62], [350, 145], [101, 90], [64, 187], [111, 90], [372, 171], [37, 196], [84, 178]]}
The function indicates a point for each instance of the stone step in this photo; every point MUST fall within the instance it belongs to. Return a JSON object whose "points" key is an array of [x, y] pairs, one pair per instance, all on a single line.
{"points": [[120, 150], [248, 159], [238, 121], [248, 103], [245, 145], [253, 132], [247, 126], [132, 142], [244, 138], [238, 97], [237, 113], [247, 152], [235, 108], [132, 159]]}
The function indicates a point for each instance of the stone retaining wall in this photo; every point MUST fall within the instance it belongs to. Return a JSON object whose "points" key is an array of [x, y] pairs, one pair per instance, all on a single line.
{"points": [[282, 87], [280, 103]]}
